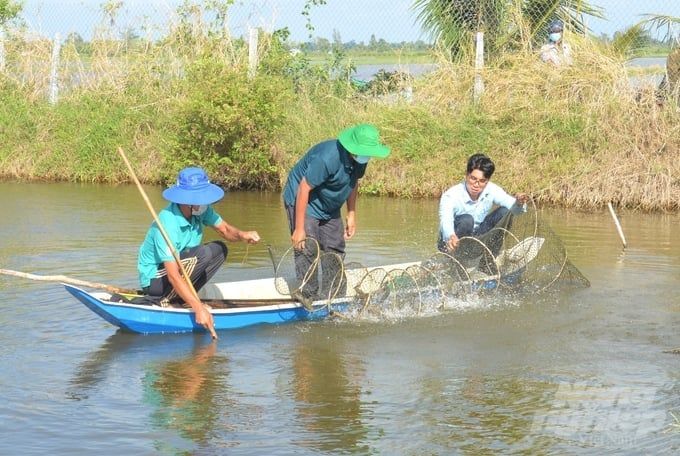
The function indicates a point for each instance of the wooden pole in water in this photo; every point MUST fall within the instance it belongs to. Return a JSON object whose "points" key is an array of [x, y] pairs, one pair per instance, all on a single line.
{"points": [[69, 280], [618, 225], [175, 254]]}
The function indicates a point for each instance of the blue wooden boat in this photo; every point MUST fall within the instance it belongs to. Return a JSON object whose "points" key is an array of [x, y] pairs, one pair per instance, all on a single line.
{"points": [[151, 319], [233, 305], [267, 301]]}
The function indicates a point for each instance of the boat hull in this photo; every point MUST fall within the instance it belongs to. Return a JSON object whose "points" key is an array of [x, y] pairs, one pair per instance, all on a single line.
{"points": [[268, 301], [158, 320]]}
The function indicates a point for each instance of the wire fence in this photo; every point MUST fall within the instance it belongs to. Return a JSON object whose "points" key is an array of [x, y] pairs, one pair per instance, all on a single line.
{"points": [[352, 22], [377, 34]]}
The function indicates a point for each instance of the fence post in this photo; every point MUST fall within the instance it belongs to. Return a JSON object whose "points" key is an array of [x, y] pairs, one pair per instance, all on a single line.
{"points": [[54, 73], [226, 37], [479, 65], [2, 51], [252, 52]]}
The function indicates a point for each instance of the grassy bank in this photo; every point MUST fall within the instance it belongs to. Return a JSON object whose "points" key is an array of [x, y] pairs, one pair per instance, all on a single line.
{"points": [[579, 138]]}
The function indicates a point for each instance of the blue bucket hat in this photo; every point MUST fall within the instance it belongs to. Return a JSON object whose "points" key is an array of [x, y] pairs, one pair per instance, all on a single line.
{"points": [[556, 26], [194, 188]]}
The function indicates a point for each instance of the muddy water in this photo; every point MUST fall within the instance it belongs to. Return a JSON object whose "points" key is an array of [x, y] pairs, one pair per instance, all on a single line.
{"points": [[579, 372]]}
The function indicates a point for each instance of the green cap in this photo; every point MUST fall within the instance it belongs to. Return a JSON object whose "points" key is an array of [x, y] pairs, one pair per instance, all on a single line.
{"points": [[363, 139]]}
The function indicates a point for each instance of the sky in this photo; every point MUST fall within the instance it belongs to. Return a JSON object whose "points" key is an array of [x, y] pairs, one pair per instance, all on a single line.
{"points": [[392, 20], [624, 13]]}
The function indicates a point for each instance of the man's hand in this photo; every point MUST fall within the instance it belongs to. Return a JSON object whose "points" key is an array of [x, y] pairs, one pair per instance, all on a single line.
{"points": [[297, 237], [251, 237], [522, 198], [452, 243], [351, 226], [205, 319], [188, 295]]}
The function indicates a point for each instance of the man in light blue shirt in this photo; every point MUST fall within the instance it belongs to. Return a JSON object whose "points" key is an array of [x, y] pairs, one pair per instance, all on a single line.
{"points": [[183, 221], [466, 208]]}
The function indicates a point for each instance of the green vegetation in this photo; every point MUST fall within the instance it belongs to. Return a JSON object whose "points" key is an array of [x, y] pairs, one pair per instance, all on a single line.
{"points": [[508, 25], [658, 50], [578, 136], [233, 119], [9, 11]]}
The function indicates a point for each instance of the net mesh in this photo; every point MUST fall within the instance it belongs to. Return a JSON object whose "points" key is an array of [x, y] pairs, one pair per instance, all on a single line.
{"points": [[521, 254]]}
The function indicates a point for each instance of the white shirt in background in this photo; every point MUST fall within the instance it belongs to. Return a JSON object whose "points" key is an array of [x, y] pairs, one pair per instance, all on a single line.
{"points": [[557, 54]]}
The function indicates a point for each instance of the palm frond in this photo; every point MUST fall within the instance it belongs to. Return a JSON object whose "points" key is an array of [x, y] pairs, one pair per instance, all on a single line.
{"points": [[629, 41], [658, 22], [508, 24], [453, 22]]}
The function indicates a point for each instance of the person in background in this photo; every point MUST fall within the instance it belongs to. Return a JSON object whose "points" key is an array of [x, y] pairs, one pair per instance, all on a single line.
{"points": [[320, 183], [183, 221], [556, 51], [465, 209]]}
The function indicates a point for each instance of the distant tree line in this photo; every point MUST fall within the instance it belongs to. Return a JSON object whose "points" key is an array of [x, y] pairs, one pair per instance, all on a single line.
{"points": [[319, 44], [643, 39]]}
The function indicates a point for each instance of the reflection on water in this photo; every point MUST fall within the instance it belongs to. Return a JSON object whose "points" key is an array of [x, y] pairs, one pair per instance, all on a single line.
{"points": [[183, 392], [327, 388], [471, 408], [566, 373], [538, 416], [94, 369]]}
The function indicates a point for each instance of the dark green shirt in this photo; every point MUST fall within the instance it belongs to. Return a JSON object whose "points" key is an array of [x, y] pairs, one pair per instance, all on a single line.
{"points": [[332, 174]]}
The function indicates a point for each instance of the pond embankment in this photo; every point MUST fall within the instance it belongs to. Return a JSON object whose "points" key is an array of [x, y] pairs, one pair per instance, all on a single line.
{"points": [[579, 136]]}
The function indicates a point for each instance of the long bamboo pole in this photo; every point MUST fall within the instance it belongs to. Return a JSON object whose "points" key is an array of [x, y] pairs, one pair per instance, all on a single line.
{"points": [[69, 280], [175, 254]]}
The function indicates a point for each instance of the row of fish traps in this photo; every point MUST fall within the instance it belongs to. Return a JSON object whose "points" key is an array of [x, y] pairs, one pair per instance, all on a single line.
{"points": [[405, 288]]}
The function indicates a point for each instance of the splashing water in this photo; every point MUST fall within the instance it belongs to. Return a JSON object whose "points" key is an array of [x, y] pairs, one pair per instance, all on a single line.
{"points": [[520, 255]]}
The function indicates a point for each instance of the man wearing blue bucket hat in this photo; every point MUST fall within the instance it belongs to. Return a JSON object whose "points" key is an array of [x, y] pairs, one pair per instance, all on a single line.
{"points": [[321, 182], [183, 220], [556, 51]]}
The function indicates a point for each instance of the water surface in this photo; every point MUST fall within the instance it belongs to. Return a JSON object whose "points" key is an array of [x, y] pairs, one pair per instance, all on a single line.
{"points": [[577, 372]]}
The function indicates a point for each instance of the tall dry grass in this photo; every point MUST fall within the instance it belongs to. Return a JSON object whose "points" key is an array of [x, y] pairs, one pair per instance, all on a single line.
{"points": [[579, 136], [602, 140]]}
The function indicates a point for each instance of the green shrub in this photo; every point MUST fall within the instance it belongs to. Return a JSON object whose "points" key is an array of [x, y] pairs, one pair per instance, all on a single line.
{"points": [[18, 126], [228, 123]]}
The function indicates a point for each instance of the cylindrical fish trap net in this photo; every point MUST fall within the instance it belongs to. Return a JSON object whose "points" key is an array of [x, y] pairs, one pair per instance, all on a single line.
{"points": [[521, 254]]}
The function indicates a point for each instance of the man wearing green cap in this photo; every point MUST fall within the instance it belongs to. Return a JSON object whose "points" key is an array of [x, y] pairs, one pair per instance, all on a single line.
{"points": [[319, 184]]}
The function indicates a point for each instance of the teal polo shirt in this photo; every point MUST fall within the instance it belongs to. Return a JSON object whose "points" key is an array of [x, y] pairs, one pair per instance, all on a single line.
{"points": [[183, 233], [332, 174]]}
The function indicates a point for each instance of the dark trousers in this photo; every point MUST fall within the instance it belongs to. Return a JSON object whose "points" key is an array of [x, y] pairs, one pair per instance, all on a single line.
{"points": [[464, 226], [330, 236], [208, 259]]}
